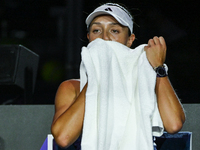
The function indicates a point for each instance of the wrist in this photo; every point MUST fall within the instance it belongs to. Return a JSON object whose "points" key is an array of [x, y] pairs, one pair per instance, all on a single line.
{"points": [[161, 71]]}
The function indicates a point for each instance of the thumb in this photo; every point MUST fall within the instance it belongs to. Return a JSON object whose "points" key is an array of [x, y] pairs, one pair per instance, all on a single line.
{"points": [[146, 47]]}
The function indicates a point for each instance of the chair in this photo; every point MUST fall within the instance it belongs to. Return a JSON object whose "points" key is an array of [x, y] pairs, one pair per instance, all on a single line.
{"points": [[178, 141], [50, 144]]}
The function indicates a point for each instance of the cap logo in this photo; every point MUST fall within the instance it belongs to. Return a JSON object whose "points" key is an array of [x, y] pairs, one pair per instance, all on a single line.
{"points": [[108, 9]]}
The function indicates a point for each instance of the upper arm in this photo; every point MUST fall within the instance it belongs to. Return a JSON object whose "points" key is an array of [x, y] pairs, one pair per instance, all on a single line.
{"points": [[65, 96]]}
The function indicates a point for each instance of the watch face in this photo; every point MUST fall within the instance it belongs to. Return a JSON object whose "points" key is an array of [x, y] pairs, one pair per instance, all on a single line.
{"points": [[161, 72]]}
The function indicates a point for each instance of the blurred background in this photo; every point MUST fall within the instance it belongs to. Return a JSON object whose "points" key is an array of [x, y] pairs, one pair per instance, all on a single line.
{"points": [[55, 30]]}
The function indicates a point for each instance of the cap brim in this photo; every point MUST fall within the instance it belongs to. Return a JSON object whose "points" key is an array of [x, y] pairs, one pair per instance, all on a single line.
{"points": [[98, 13]]}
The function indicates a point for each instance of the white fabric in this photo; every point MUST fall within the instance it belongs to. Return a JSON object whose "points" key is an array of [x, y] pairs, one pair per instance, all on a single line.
{"points": [[121, 108], [115, 10]]}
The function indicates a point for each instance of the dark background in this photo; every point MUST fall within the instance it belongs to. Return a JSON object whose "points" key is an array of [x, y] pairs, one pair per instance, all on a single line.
{"points": [[56, 31]]}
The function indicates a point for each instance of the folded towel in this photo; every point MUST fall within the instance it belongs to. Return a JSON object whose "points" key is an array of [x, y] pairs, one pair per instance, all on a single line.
{"points": [[121, 108]]}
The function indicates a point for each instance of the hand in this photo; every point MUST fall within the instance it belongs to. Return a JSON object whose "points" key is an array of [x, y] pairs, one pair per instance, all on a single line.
{"points": [[156, 51]]}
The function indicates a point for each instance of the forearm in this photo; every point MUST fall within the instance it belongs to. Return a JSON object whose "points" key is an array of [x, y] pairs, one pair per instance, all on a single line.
{"points": [[170, 108], [67, 128]]}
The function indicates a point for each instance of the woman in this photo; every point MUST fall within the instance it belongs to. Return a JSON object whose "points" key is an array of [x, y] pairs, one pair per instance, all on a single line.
{"points": [[111, 25]]}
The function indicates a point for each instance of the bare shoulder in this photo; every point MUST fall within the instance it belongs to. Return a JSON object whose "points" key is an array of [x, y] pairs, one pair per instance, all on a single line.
{"points": [[65, 96], [68, 90], [72, 85]]}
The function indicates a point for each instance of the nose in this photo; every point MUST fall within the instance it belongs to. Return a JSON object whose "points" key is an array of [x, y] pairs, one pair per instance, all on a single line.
{"points": [[106, 36]]}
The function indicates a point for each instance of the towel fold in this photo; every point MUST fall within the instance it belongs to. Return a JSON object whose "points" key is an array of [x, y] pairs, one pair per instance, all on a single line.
{"points": [[121, 108]]}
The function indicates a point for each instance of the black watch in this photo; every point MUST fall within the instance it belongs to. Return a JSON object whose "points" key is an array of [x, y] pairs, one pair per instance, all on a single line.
{"points": [[161, 71]]}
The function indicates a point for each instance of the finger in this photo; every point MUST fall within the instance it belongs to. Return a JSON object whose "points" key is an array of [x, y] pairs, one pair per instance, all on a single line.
{"points": [[162, 41], [151, 42], [146, 47], [156, 40]]}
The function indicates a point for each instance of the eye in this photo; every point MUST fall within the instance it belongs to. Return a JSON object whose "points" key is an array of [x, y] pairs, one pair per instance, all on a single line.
{"points": [[114, 31], [95, 30]]}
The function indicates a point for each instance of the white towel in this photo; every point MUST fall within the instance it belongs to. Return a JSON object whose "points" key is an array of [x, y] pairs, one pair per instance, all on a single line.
{"points": [[121, 109]]}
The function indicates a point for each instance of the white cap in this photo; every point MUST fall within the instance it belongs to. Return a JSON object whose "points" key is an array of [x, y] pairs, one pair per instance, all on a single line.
{"points": [[115, 10]]}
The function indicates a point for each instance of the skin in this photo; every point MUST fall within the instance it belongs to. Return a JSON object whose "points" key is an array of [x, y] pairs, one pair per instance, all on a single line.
{"points": [[70, 102], [107, 28]]}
